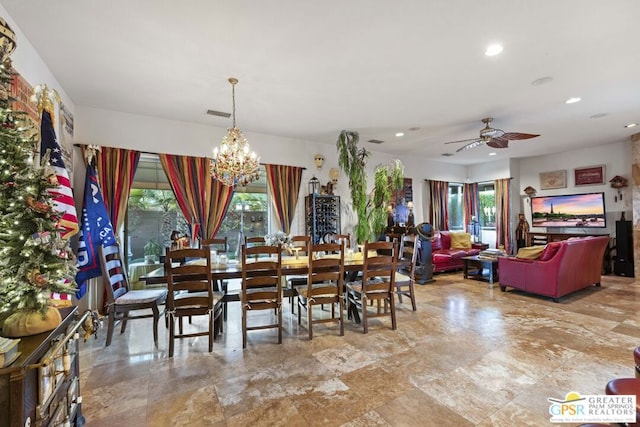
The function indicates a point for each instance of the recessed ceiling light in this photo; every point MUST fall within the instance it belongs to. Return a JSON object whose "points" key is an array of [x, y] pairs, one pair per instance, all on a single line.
{"points": [[492, 154], [598, 116], [631, 125], [399, 134], [493, 50], [542, 80], [573, 100]]}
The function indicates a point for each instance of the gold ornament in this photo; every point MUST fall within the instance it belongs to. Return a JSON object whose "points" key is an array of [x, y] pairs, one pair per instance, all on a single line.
{"points": [[37, 206], [36, 278]]}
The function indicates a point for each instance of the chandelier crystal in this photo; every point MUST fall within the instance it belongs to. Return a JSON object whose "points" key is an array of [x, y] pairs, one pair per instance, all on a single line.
{"points": [[234, 163]]}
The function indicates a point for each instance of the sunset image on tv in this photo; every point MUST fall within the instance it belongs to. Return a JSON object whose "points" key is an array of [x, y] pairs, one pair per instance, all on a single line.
{"points": [[574, 210]]}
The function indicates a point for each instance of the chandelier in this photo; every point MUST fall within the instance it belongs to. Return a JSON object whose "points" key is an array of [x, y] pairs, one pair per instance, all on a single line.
{"points": [[233, 162]]}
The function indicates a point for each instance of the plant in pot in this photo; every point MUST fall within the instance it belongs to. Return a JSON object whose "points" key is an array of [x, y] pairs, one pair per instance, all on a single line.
{"points": [[370, 207], [152, 251]]}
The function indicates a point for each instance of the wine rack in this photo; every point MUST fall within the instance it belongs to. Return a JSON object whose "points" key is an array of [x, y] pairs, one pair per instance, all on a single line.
{"points": [[322, 216]]}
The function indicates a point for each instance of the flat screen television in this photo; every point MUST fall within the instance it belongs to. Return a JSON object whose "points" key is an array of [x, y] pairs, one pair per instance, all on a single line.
{"points": [[569, 210]]}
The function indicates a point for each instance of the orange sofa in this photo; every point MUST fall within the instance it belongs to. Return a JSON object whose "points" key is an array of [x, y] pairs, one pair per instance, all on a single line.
{"points": [[562, 268]]}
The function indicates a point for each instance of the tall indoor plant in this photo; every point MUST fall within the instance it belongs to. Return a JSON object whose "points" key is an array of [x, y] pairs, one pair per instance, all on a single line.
{"points": [[370, 207]]}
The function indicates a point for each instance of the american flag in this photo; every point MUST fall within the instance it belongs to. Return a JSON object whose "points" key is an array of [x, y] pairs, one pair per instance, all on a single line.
{"points": [[62, 195]]}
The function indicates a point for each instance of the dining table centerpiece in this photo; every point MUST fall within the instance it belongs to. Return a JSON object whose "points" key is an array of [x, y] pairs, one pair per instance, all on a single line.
{"points": [[279, 238]]}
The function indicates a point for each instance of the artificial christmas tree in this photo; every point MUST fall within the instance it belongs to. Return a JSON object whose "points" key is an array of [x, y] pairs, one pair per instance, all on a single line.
{"points": [[35, 261]]}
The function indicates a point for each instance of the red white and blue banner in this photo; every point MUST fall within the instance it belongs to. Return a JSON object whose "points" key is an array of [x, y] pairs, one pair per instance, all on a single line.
{"points": [[62, 195], [96, 231]]}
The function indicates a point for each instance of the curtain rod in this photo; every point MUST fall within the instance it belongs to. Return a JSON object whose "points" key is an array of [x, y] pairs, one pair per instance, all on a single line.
{"points": [[149, 152]]}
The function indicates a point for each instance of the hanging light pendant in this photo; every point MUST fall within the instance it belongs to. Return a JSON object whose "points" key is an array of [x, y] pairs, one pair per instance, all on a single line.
{"points": [[233, 162]]}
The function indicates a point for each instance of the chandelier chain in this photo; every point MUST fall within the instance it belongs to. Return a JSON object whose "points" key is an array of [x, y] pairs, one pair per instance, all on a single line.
{"points": [[234, 163]]}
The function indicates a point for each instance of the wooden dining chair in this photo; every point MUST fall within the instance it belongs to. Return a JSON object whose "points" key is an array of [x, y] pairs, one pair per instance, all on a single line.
{"points": [[377, 284], [261, 286], [325, 283], [293, 282], [121, 300], [254, 241], [191, 293], [220, 245], [337, 238], [406, 269]]}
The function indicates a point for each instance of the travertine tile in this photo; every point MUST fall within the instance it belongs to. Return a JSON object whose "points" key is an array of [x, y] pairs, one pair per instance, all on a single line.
{"points": [[470, 355]]}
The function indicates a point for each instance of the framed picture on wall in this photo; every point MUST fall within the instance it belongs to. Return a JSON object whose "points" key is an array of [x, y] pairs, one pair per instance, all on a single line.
{"points": [[590, 175], [553, 179]]}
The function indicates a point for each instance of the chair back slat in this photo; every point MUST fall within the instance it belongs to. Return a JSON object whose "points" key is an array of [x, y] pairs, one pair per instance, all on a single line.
{"points": [[115, 279], [326, 274], [375, 268], [194, 275]]}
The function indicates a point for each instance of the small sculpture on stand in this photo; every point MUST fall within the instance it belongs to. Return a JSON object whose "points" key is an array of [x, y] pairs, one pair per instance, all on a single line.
{"points": [[425, 234], [521, 232]]}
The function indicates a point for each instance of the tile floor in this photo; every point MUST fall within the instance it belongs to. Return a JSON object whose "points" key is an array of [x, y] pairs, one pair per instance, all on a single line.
{"points": [[471, 355]]}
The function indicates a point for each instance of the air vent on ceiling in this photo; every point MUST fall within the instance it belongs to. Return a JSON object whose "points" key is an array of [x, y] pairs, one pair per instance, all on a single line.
{"points": [[375, 141], [447, 154], [218, 113]]}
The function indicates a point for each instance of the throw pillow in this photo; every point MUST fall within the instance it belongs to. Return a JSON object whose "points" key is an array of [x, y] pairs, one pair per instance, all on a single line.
{"points": [[550, 250], [531, 252], [461, 240]]}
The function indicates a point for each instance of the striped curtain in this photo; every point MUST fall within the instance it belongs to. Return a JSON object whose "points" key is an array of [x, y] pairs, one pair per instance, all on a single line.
{"points": [[439, 202], [284, 187], [201, 199], [470, 201], [116, 168], [503, 213]]}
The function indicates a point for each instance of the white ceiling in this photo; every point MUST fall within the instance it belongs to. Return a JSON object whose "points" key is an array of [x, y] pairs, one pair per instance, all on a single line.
{"points": [[308, 69]]}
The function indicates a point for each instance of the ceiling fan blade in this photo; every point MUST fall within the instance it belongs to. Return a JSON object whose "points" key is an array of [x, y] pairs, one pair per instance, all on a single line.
{"points": [[474, 144], [513, 136], [498, 143], [461, 140]]}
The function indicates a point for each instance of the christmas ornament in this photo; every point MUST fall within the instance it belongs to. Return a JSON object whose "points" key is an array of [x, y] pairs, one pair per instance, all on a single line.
{"points": [[37, 206], [36, 278]]}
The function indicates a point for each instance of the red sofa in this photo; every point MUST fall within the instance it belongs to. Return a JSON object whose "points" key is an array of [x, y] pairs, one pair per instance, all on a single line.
{"points": [[562, 268], [446, 258]]}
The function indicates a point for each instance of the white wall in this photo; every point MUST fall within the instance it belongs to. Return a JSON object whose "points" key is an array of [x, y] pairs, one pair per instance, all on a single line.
{"points": [[144, 133], [616, 159]]}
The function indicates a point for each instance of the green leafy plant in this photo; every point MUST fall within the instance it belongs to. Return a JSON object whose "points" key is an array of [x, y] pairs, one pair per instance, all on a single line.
{"points": [[152, 248], [369, 207]]}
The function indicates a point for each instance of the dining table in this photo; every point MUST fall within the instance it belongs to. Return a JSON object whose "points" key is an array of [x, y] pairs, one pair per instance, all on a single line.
{"points": [[232, 269], [291, 266]]}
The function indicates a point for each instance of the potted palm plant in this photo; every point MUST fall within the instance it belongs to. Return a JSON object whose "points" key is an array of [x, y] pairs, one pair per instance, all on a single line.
{"points": [[152, 251], [370, 207]]}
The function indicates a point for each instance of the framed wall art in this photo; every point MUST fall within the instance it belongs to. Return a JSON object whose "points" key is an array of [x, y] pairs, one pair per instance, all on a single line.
{"points": [[589, 175], [553, 179]]}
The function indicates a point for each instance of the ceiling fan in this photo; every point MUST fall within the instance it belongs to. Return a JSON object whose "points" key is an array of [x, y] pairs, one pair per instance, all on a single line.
{"points": [[496, 138]]}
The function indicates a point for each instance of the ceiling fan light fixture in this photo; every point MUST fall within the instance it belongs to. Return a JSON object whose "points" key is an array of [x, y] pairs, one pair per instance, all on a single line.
{"points": [[493, 50]]}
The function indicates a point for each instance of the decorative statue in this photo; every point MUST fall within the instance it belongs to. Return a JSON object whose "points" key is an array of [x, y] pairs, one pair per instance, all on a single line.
{"points": [[521, 232]]}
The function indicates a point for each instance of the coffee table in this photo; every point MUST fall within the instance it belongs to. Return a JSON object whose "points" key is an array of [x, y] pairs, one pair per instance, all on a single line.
{"points": [[479, 263]]}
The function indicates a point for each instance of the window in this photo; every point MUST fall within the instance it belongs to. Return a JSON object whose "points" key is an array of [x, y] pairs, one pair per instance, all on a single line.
{"points": [[247, 216], [487, 205], [456, 212], [152, 212]]}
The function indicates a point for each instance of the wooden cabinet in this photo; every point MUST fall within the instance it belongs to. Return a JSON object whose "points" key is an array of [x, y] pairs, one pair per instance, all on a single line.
{"points": [[534, 238], [322, 216], [42, 388]]}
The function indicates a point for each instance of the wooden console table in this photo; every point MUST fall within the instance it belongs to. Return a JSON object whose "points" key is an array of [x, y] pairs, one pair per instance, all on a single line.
{"points": [[37, 389]]}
